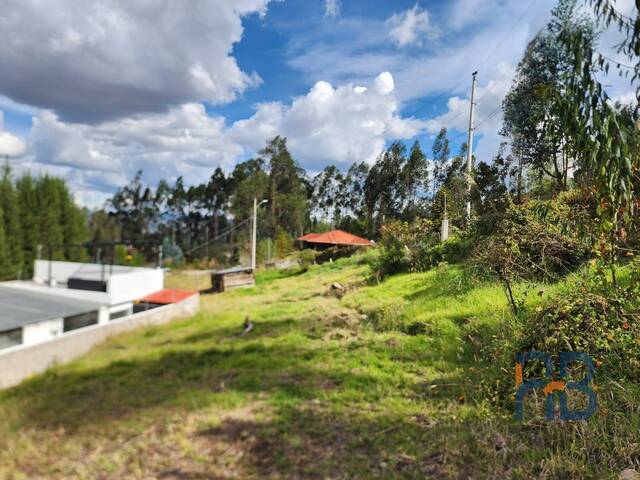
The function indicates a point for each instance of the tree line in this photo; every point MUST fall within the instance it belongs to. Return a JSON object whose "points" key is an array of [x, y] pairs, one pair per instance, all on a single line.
{"points": [[36, 212], [538, 158], [542, 154]]}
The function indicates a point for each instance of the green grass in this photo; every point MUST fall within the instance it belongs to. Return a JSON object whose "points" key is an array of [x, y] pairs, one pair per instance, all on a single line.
{"points": [[393, 380]]}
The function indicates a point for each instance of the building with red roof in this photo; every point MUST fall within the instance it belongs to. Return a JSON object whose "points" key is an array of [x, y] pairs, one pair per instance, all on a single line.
{"points": [[334, 238]]}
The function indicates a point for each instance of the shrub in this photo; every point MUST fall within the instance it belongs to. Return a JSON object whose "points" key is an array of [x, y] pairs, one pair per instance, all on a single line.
{"points": [[307, 258], [401, 244], [416, 247], [602, 320], [453, 250], [337, 252], [539, 239]]}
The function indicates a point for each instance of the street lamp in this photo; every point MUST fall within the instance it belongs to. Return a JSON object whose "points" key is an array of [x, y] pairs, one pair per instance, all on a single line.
{"points": [[254, 231]]}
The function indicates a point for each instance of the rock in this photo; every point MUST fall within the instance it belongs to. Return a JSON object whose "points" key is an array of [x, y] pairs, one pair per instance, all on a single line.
{"points": [[629, 474], [336, 286]]}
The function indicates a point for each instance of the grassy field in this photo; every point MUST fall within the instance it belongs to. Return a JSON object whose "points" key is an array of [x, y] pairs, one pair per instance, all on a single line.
{"points": [[393, 380]]}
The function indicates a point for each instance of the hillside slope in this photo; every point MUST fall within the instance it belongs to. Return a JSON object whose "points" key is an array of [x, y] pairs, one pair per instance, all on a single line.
{"points": [[392, 380]]}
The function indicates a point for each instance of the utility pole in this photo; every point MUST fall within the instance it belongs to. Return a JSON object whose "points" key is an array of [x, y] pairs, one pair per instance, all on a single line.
{"points": [[470, 147], [444, 230]]}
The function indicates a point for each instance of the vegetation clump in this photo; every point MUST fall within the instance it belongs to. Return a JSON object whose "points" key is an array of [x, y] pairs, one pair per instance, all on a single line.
{"points": [[539, 240], [599, 318]]}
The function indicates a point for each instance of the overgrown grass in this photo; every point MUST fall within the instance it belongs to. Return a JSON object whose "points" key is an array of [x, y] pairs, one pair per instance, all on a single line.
{"points": [[392, 380]]}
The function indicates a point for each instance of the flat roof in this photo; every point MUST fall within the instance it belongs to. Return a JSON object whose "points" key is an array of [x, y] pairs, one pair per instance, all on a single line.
{"points": [[232, 270], [21, 306], [59, 290]]}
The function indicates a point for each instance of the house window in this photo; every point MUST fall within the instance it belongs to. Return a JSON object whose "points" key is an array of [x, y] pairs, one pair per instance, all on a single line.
{"points": [[79, 321], [119, 314], [11, 338]]}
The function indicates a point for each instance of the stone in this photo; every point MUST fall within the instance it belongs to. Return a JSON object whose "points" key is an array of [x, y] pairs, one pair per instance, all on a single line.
{"points": [[629, 474]]}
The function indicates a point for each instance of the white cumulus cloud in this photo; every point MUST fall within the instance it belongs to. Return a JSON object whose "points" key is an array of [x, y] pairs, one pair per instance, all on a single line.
{"points": [[95, 61], [333, 124], [331, 8], [411, 26], [10, 145], [348, 123]]}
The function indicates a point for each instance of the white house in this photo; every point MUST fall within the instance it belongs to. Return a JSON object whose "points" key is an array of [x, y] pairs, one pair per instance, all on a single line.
{"points": [[65, 296]]}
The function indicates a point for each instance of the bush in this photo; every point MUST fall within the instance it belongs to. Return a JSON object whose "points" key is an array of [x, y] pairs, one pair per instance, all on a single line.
{"points": [[337, 252], [416, 247], [539, 239], [453, 250], [401, 244], [602, 320], [307, 258]]}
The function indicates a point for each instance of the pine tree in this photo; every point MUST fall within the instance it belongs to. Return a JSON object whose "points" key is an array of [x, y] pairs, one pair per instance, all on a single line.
{"points": [[28, 207], [49, 216], [5, 257], [11, 225], [74, 224]]}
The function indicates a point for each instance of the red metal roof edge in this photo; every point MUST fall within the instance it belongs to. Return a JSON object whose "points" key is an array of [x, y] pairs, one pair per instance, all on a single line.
{"points": [[167, 296]]}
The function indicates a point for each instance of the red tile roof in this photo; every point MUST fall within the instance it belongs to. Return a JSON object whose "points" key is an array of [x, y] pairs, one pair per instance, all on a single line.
{"points": [[335, 237], [167, 296]]}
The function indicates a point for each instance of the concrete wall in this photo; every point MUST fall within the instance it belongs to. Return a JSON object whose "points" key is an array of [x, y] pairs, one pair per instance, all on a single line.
{"points": [[22, 361], [124, 284], [41, 331], [124, 287], [60, 271]]}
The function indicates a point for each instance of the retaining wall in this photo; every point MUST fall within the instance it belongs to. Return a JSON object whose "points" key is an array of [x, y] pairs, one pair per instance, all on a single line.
{"points": [[22, 361]]}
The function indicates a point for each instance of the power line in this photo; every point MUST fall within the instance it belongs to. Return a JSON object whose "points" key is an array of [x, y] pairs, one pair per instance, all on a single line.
{"points": [[488, 117], [485, 119], [515, 24], [226, 232], [620, 64], [445, 93]]}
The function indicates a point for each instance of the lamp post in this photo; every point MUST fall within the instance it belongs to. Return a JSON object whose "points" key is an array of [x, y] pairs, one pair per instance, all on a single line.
{"points": [[254, 232]]}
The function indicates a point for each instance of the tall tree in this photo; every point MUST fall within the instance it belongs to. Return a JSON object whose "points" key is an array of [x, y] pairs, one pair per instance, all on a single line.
{"points": [[28, 208], [6, 263], [328, 194], [592, 121], [11, 224], [384, 190], [415, 175], [534, 105], [288, 189], [136, 208], [216, 197], [441, 154]]}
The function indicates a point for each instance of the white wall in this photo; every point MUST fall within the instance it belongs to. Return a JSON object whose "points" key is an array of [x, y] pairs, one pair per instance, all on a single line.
{"points": [[125, 284], [125, 287], [60, 271], [41, 331], [103, 315]]}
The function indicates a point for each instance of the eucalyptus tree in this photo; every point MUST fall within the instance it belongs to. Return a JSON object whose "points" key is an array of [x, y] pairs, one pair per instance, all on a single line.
{"points": [[535, 105], [593, 121], [441, 154], [415, 176]]}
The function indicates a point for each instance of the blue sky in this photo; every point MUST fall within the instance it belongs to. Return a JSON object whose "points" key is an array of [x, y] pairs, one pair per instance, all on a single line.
{"points": [[94, 92]]}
